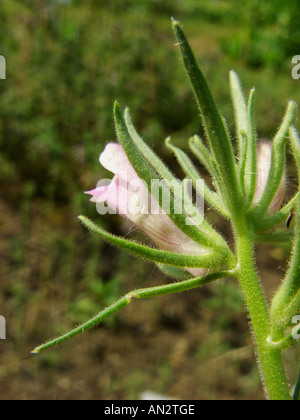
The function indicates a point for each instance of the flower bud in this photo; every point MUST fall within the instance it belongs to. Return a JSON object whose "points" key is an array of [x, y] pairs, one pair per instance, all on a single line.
{"points": [[264, 155], [129, 196]]}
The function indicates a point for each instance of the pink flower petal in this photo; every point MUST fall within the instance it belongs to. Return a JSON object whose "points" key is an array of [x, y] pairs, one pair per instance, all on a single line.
{"points": [[115, 160]]}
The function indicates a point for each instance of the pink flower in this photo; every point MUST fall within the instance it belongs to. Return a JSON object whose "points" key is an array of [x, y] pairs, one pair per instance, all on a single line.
{"points": [[128, 195], [264, 154]]}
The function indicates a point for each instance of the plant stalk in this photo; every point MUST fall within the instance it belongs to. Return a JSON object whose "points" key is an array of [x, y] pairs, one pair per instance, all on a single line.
{"points": [[269, 358]]}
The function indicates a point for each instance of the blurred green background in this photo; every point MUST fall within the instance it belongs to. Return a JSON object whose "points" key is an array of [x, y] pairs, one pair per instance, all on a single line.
{"points": [[67, 61]]}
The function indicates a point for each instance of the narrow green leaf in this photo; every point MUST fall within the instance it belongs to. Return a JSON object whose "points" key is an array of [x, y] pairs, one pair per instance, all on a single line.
{"points": [[275, 238], [184, 161], [292, 280], [240, 112], [158, 166], [153, 254], [286, 302], [242, 165], [277, 162], [110, 310], [145, 293], [177, 212], [292, 308], [296, 393], [174, 272], [288, 120], [250, 174], [163, 171], [202, 232], [216, 133], [202, 154], [295, 142], [267, 223], [192, 173], [245, 126], [227, 130]]}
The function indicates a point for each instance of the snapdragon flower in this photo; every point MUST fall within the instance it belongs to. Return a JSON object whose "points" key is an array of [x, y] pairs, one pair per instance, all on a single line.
{"points": [[128, 196]]}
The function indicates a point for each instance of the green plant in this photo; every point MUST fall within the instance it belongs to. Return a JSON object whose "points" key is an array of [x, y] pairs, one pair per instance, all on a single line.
{"points": [[249, 185]]}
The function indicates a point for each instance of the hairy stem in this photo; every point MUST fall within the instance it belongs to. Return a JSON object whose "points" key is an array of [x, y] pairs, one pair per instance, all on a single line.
{"points": [[268, 358]]}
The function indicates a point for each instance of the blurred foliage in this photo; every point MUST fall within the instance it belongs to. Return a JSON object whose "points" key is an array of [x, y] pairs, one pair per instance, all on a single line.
{"points": [[66, 66], [69, 60]]}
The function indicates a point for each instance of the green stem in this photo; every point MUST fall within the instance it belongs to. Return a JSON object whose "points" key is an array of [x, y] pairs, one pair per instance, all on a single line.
{"points": [[268, 358]]}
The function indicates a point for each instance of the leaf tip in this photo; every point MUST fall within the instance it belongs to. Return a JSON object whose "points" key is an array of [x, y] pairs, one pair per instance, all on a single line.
{"points": [[234, 78], [174, 21], [127, 112], [168, 141], [116, 109], [83, 219], [293, 106]]}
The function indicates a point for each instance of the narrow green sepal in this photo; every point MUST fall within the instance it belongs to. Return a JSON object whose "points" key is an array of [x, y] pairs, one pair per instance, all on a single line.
{"points": [[277, 167], [140, 156], [286, 302], [295, 143], [267, 223], [204, 156], [192, 173], [274, 238], [174, 272], [292, 308], [156, 255], [250, 173], [240, 112], [149, 292], [216, 133], [242, 164], [184, 161], [150, 156]]}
